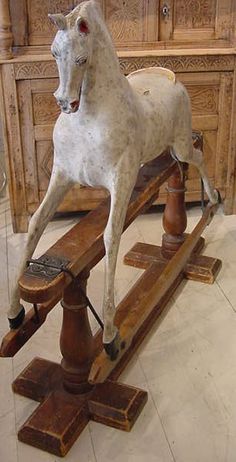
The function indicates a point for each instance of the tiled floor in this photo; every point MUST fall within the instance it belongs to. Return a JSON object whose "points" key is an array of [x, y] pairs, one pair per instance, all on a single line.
{"points": [[187, 364]]}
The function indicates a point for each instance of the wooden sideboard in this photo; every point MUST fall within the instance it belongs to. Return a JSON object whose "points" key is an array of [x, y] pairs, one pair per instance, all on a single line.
{"points": [[196, 39]]}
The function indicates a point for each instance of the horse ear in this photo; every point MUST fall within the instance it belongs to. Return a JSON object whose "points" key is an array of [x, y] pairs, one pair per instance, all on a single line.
{"points": [[58, 20], [82, 26]]}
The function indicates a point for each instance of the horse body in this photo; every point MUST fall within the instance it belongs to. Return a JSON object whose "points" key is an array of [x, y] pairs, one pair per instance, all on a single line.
{"points": [[165, 110], [108, 127]]}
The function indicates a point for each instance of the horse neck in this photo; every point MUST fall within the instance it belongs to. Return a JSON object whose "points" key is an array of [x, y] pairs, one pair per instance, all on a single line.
{"points": [[103, 73]]}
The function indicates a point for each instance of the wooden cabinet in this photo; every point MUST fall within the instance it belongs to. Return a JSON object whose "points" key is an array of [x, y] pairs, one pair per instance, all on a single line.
{"points": [[194, 39]]}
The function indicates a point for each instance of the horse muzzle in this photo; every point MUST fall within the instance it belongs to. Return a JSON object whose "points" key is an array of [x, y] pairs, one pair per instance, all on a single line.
{"points": [[68, 105]]}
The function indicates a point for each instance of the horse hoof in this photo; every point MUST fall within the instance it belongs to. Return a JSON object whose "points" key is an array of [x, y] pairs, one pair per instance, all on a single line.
{"points": [[217, 197], [112, 349], [16, 322]]}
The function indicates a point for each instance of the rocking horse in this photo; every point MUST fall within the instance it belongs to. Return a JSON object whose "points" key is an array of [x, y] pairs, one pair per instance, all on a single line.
{"points": [[128, 135]]}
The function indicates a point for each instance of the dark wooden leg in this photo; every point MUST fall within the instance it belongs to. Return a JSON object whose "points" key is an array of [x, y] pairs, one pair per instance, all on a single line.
{"points": [[199, 267], [174, 218], [77, 345]]}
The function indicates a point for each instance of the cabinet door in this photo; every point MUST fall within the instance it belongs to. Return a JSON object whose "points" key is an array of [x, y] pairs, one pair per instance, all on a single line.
{"points": [[195, 21], [38, 113]]}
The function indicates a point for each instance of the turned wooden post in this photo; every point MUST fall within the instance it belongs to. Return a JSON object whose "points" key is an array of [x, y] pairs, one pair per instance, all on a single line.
{"points": [[174, 218], [6, 37], [76, 340]]}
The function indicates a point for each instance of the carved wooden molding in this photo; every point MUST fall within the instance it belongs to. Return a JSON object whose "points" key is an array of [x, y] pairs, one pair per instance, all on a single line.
{"points": [[35, 70], [6, 38], [40, 70], [179, 63]]}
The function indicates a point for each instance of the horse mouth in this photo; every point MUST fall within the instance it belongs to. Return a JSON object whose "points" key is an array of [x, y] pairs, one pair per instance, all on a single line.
{"points": [[75, 104]]}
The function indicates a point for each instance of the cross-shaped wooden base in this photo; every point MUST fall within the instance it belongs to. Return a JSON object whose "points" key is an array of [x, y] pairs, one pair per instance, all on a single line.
{"points": [[61, 417], [199, 267]]}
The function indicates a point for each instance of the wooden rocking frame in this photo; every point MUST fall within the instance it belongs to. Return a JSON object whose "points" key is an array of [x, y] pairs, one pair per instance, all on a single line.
{"points": [[85, 385]]}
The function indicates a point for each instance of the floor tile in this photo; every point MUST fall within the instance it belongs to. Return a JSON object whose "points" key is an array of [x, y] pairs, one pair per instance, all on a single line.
{"points": [[8, 445], [82, 450], [146, 441]]}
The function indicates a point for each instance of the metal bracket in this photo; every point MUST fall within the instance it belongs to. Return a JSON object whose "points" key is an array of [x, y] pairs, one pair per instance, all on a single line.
{"points": [[47, 267]]}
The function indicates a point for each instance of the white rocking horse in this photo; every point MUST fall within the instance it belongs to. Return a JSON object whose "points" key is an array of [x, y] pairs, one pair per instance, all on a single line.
{"points": [[109, 125]]}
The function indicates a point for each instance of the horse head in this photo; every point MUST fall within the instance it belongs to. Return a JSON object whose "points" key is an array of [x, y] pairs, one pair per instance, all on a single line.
{"points": [[72, 49]]}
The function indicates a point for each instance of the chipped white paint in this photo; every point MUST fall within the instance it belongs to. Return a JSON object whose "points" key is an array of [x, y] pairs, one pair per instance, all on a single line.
{"points": [[108, 127]]}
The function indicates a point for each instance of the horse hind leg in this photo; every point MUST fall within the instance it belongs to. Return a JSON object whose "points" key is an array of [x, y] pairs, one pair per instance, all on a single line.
{"points": [[58, 187], [194, 157]]}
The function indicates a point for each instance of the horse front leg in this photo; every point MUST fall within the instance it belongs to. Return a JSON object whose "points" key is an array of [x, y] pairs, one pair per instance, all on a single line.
{"points": [[57, 189], [120, 196]]}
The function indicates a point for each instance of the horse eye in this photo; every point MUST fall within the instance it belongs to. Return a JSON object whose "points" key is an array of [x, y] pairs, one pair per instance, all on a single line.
{"points": [[80, 61]]}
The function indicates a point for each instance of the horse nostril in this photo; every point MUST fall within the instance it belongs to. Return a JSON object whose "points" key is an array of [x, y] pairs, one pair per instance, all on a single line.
{"points": [[62, 103]]}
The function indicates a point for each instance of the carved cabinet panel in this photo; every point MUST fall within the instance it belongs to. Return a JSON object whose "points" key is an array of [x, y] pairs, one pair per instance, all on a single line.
{"points": [[198, 19], [40, 29], [132, 22]]}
